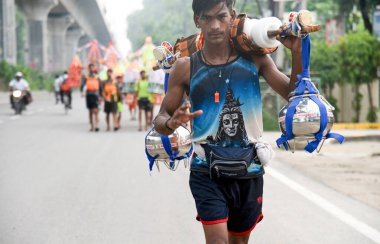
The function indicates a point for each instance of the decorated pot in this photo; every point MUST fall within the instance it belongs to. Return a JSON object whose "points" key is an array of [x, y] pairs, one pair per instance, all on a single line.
{"points": [[180, 141], [306, 119]]}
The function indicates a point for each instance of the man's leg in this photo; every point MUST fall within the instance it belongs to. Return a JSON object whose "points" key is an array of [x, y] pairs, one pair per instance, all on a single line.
{"points": [[96, 113], [119, 118], [140, 119], [238, 239], [56, 97], [69, 94], [115, 121], [11, 100], [61, 93], [216, 233], [91, 121], [108, 121]]}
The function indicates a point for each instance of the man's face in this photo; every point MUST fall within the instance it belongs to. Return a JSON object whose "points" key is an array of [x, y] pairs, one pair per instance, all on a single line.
{"points": [[18, 78], [92, 69], [230, 124], [215, 23]]}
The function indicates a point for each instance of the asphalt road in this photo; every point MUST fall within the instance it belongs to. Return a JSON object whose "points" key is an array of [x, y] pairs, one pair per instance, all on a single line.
{"points": [[60, 183]]}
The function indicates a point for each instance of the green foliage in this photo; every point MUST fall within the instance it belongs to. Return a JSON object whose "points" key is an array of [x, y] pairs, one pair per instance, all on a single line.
{"points": [[372, 114], [251, 8], [334, 102], [37, 79], [164, 20], [360, 53], [327, 61], [360, 57], [270, 121], [357, 105]]}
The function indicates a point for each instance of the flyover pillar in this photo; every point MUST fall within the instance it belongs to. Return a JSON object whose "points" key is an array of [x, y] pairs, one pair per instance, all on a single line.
{"points": [[72, 40], [36, 12], [57, 27], [8, 31]]}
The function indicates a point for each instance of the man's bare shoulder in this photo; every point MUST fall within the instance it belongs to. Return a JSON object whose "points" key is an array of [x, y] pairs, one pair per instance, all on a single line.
{"points": [[182, 63], [181, 70], [261, 61]]}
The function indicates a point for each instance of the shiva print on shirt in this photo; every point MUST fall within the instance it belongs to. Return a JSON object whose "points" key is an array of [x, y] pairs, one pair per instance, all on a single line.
{"points": [[231, 130], [235, 119]]}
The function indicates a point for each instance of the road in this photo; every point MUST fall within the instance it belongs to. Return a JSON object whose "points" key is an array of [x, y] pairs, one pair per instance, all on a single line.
{"points": [[60, 183]]}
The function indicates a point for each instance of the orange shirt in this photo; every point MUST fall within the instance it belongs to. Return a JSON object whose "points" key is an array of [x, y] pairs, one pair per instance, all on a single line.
{"points": [[92, 83], [110, 92]]}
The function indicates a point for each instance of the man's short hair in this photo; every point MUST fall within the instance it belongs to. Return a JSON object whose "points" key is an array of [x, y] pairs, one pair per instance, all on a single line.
{"points": [[200, 6], [91, 65]]}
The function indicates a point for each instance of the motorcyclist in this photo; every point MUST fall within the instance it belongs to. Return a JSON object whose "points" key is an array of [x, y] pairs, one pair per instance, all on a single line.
{"points": [[18, 83], [65, 88]]}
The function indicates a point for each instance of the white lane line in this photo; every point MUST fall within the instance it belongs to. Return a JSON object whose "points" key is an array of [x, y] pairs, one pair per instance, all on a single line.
{"points": [[14, 117], [1, 122], [346, 218], [40, 110]]}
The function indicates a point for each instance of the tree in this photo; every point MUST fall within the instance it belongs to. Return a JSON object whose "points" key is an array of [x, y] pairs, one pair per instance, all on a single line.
{"points": [[360, 52], [164, 20], [326, 62]]}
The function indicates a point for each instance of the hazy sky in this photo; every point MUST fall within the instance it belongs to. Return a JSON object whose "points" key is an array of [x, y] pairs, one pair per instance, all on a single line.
{"points": [[116, 16]]}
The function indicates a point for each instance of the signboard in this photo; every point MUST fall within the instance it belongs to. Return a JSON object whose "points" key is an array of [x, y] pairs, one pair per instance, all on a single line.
{"points": [[376, 22]]}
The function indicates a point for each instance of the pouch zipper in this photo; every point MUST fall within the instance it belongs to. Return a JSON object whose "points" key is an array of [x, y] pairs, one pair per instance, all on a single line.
{"points": [[227, 159]]}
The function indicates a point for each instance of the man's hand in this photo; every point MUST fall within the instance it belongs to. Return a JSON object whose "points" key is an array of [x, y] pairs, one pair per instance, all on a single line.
{"points": [[182, 116], [291, 42]]}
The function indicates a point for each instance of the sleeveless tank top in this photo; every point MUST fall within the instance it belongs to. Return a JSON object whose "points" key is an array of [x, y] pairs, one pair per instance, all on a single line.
{"points": [[229, 96]]}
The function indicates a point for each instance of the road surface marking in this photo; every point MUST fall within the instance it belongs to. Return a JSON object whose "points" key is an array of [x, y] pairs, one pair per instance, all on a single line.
{"points": [[14, 117], [1, 121], [40, 110], [348, 219]]}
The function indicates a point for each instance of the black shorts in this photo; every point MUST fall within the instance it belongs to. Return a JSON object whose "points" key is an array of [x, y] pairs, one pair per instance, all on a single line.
{"points": [[237, 202], [145, 104], [92, 101], [110, 107]]}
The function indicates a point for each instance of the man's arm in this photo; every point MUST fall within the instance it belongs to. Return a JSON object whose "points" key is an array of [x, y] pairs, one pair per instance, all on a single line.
{"points": [[172, 114], [83, 82], [101, 88], [26, 85], [278, 81], [10, 86]]}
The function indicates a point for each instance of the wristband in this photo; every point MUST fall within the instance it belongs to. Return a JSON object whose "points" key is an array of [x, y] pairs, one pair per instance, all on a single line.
{"points": [[166, 124]]}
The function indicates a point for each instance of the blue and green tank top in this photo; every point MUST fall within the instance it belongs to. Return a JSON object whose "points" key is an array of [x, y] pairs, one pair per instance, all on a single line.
{"points": [[229, 96]]}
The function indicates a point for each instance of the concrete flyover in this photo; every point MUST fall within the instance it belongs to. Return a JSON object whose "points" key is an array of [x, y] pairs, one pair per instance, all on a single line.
{"points": [[54, 28]]}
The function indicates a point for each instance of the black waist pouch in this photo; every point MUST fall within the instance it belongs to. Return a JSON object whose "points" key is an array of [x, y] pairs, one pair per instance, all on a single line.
{"points": [[230, 162]]}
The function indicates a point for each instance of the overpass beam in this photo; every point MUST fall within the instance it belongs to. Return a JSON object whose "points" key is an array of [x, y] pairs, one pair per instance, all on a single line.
{"points": [[8, 31], [36, 12], [57, 28], [72, 40]]}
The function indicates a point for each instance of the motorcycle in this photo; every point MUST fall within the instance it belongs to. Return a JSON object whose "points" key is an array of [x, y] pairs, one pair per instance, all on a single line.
{"points": [[18, 97]]}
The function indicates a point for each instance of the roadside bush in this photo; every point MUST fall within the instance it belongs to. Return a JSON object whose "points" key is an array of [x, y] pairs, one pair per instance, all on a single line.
{"points": [[36, 78]]}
